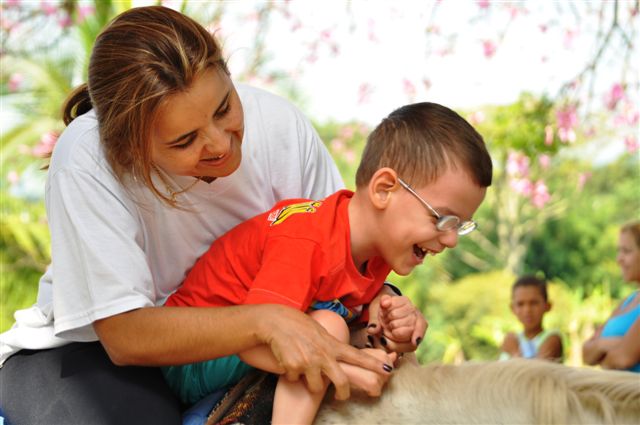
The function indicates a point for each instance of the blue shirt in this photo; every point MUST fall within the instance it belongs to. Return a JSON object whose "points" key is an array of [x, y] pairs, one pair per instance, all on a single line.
{"points": [[619, 325]]}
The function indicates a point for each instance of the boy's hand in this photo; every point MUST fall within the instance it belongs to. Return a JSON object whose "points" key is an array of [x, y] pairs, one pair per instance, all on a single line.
{"points": [[511, 345], [397, 323]]}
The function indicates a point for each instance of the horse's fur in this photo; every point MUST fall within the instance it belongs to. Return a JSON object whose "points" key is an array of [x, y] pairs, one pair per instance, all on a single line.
{"points": [[510, 392]]}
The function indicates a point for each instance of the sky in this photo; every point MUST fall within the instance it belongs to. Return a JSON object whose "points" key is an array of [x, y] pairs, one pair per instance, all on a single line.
{"points": [[360, 59], [385, 52]]}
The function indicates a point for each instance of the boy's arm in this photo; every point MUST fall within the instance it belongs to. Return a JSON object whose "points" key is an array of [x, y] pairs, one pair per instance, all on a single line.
{"points": [[510, 345], [551, 349]]}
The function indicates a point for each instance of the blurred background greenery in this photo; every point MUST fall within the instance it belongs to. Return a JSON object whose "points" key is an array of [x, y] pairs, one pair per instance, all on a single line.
{"points": [[552, 210]]}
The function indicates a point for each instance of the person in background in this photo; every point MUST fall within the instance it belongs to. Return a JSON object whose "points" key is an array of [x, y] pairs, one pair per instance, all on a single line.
{"points": [[616, 344], [330, 256], [161, 155], [529, 302]]}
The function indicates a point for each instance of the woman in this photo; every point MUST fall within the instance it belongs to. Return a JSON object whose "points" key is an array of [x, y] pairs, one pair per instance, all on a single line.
{"points": [[616, 344], [162, 154]]}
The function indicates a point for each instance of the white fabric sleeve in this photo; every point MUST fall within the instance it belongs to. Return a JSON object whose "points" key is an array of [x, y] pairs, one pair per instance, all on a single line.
{"points": [[321, 176], [99, 266]]}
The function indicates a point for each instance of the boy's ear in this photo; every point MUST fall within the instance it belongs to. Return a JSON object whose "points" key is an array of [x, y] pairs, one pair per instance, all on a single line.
{"points": [[549, 305], [382, 184]]}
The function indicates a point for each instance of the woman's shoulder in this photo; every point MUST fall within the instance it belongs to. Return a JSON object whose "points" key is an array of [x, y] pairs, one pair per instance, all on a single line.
{"points": [[78, 146]]}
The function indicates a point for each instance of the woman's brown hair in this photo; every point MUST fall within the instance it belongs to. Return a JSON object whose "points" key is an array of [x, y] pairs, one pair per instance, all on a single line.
{"points": [[633, 228], [143, 56]]}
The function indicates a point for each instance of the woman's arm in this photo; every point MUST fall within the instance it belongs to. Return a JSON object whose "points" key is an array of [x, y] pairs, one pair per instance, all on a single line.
{"points": [[177, 335], [625, 353], [593, 349]]}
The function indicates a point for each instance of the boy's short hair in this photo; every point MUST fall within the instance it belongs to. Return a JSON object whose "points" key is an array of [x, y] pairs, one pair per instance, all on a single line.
{"points": [[530, 280], [420, 141]]}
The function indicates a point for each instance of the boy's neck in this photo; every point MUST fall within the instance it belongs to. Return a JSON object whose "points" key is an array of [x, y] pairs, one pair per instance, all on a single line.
{"points": [[532, 333]]}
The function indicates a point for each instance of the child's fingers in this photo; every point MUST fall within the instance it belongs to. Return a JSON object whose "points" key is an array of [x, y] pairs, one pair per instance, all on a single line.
{"points": [[402, 322], [401, 333], [386, 301], [397, 307], [419, 330]]}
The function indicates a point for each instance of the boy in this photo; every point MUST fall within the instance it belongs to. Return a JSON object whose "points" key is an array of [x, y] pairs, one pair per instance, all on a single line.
{"points": [[423, 174], [529, 303]]}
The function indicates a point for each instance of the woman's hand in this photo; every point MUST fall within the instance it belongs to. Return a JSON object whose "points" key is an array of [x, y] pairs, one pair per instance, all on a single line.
{"points": [[303, 347], [366, 380]]}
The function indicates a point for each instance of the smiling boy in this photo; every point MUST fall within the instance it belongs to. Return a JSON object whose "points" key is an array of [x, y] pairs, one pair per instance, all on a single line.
{"points": [[423, 174]]}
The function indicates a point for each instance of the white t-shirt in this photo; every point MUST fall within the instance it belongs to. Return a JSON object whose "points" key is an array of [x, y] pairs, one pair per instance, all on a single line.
{"points": [[115, 250]]}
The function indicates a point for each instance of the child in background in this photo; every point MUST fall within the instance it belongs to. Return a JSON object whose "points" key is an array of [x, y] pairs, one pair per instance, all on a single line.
{"points": [[330, 257], [529, 302]]}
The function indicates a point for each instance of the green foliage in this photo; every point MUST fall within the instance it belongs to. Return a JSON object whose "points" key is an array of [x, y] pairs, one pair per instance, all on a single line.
{"points": [[579, 248]]}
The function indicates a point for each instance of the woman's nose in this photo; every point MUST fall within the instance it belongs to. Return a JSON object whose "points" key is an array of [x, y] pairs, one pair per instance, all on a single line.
{"points": [[216, 141]]}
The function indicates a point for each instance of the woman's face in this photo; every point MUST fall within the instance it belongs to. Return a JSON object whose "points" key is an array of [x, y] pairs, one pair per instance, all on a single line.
{"points": [[199, 132], [629, 257]]}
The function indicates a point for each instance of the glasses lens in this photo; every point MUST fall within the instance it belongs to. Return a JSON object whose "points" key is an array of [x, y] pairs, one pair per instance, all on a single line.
{"points": [[467, 227], [447, 222]]}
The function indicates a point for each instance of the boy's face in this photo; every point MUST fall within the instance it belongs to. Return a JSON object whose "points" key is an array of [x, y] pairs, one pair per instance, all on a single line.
{"points": [[528, 304], [407, 230]]}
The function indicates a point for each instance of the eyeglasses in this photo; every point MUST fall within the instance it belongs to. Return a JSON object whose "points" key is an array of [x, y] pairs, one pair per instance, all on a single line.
{"points": [[445, 222]]}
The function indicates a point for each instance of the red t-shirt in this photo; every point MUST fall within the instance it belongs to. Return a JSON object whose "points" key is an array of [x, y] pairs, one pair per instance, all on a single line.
{"points": [[294, 254]]}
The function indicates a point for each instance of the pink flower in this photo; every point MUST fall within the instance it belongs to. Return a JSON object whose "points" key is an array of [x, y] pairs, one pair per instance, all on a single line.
{"points": [[628, 116], [631, 143], [84, 11], [543, 27], [569, 36], [13, 177], [567, 119], [14, 83], [522, 187], [489, 48], [364, 93], [65, 21], [337, 145], [544, 161], [347, 132], [350, 156], [615, 95], [548, 135], [566, 135], [48, 8], [540, 195], [476, 117], [46, 144], [409, 88], [371, 31], [583, 178], [517, 164], [483, 4]]}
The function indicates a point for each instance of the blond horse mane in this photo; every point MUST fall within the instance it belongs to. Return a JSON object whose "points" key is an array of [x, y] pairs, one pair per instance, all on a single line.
{"points": [[510, 392]]}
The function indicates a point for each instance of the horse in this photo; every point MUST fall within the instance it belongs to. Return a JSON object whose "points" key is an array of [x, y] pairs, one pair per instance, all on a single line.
{"points": [[516, 391]]}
